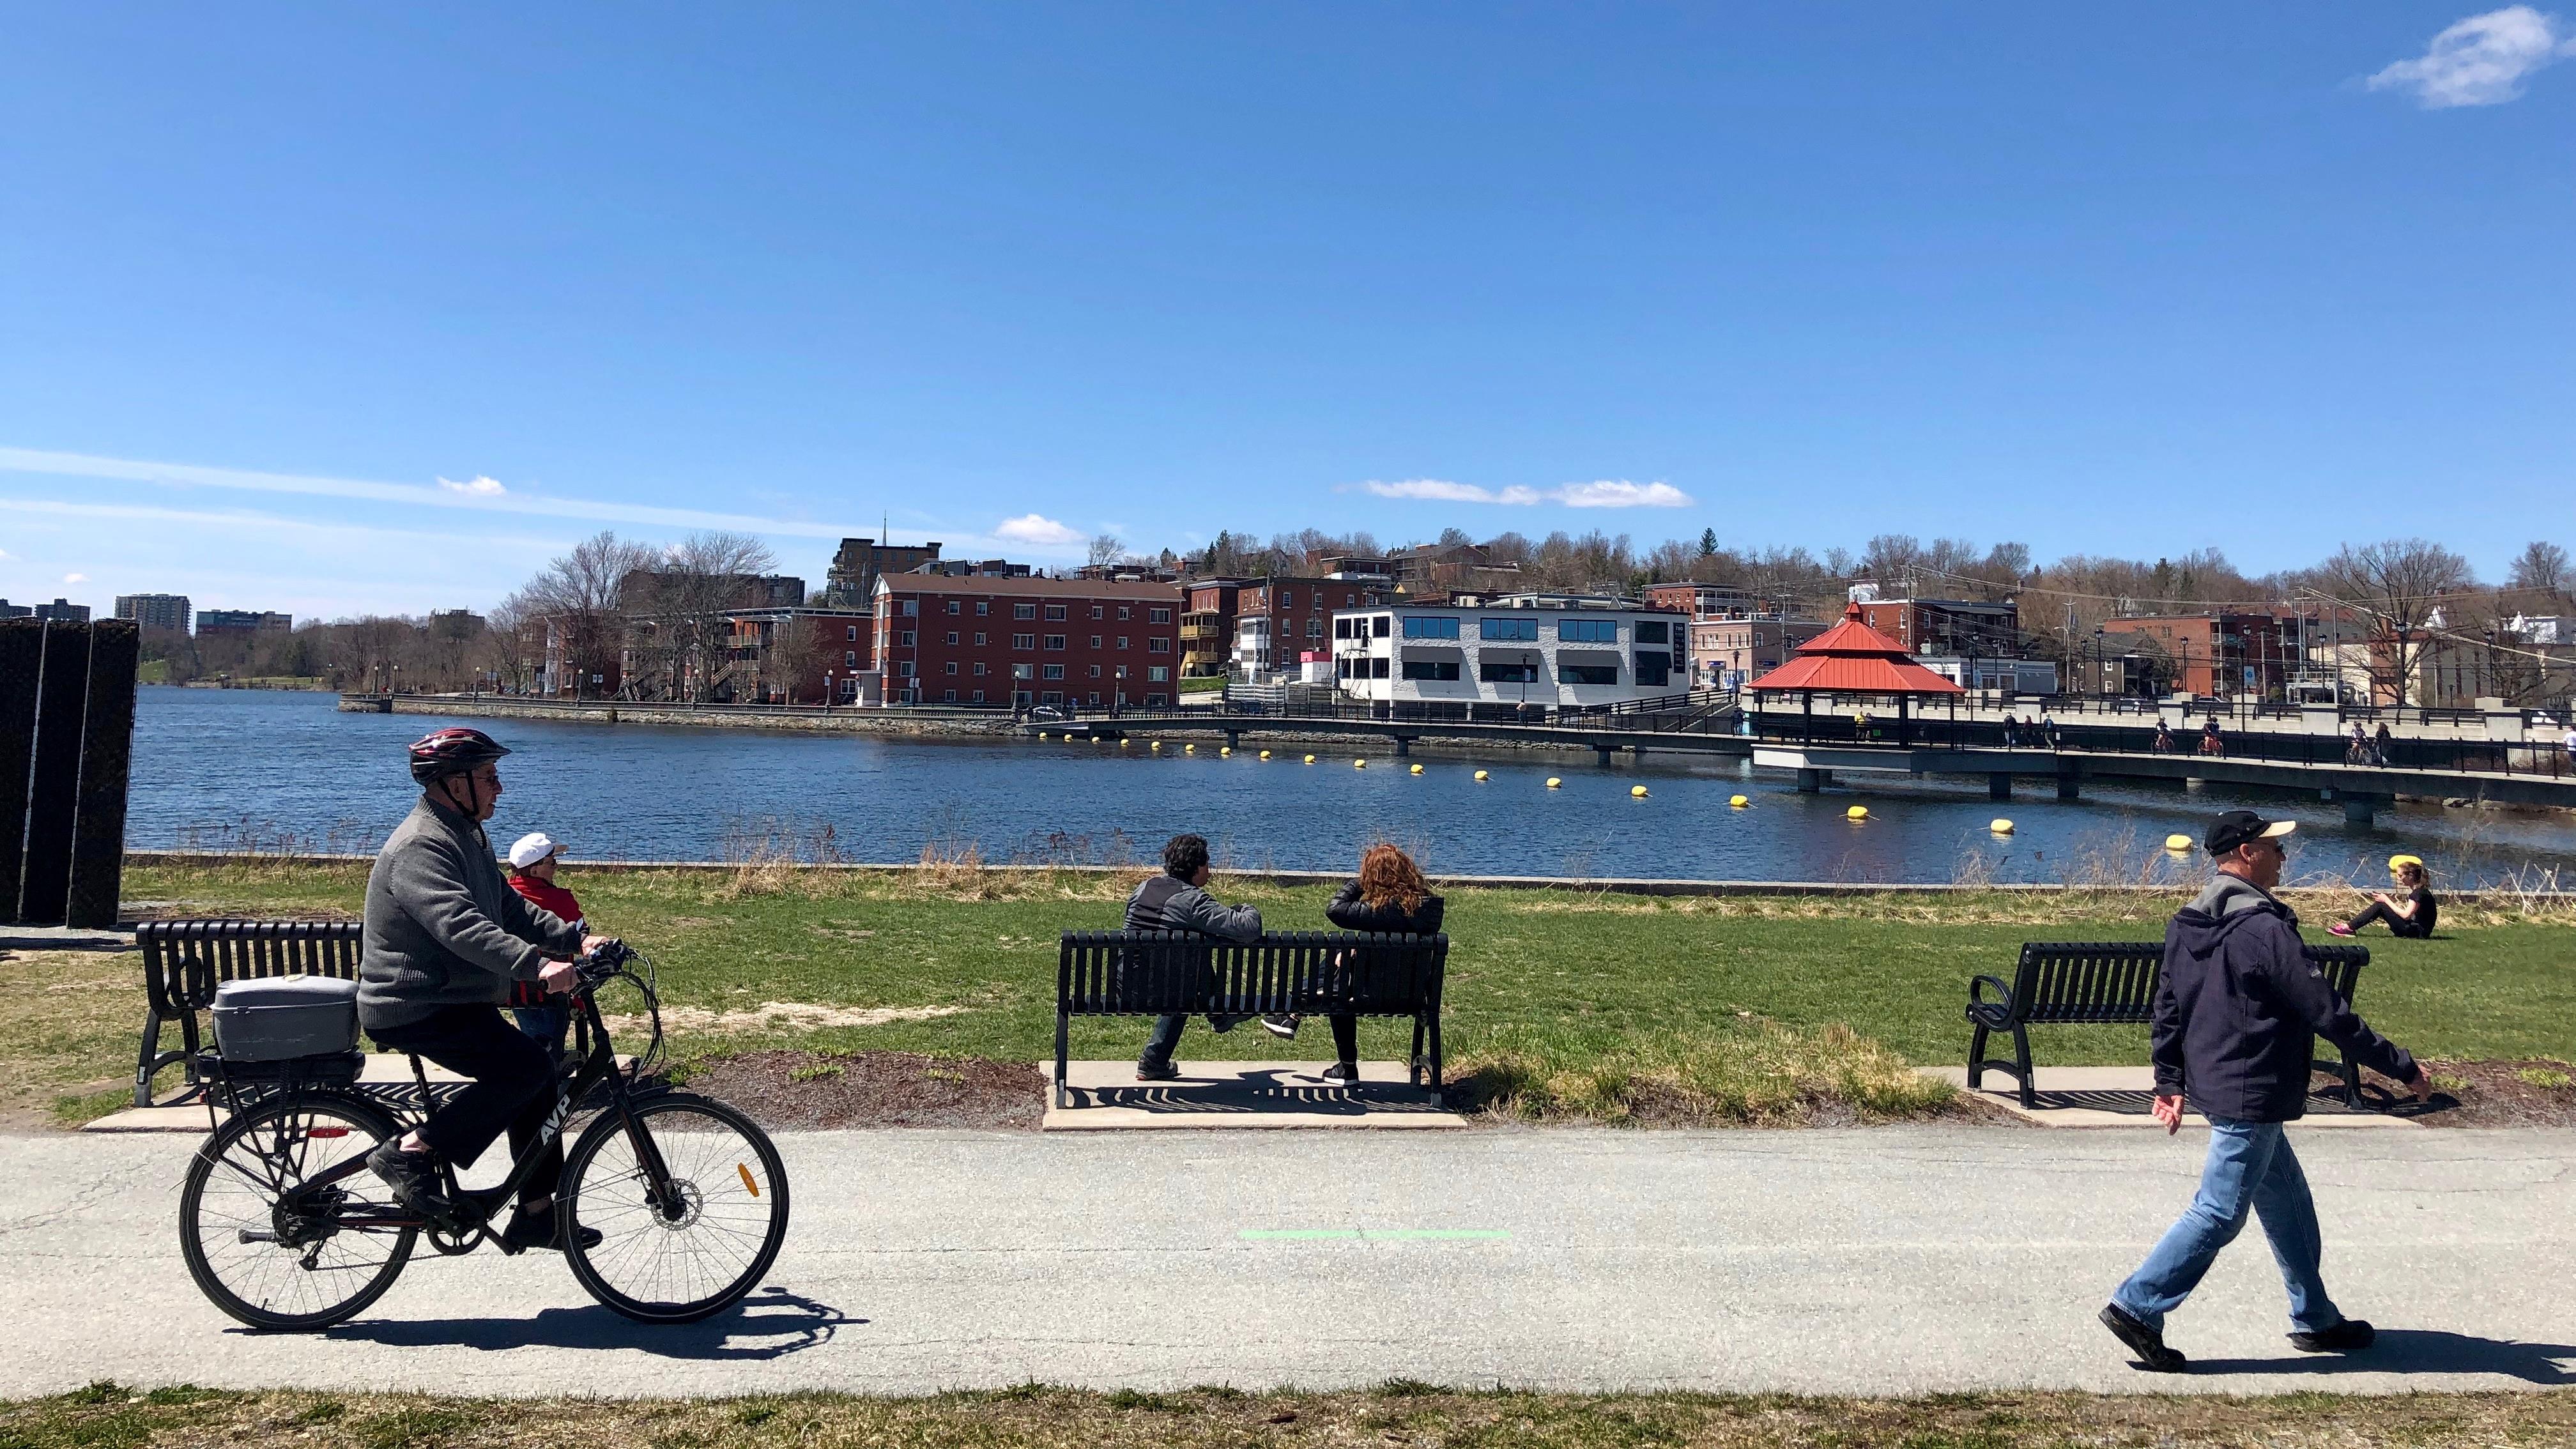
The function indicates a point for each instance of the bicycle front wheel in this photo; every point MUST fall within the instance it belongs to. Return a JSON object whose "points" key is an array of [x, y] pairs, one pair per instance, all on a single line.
{"points": [[275, 1256], [699, 1245]]}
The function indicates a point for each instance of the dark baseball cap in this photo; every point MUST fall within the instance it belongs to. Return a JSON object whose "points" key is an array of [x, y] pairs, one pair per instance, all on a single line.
{"points": [[2236, 827]]}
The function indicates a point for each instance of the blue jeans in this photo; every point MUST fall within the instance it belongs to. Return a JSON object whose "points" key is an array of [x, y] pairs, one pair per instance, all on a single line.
{"points": [[546, 1026], [2250, 1169]]}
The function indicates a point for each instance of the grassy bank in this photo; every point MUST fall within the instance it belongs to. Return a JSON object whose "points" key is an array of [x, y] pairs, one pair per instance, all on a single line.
{"points": [[1571, 1003], [106, 1416]]}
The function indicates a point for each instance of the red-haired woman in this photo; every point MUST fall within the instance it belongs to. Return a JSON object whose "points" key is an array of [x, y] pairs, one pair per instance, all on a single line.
{"points": [[1389, 898]]}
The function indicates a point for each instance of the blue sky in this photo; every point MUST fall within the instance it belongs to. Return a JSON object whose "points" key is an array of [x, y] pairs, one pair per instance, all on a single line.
{"points": [[340, 308]]}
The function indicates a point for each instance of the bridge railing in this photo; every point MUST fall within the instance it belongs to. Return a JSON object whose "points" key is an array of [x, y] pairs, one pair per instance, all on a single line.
{"points": [[2543, 759]]}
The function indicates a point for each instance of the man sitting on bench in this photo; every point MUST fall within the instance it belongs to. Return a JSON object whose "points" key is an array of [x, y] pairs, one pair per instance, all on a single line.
{"points": [[1176, 901]]}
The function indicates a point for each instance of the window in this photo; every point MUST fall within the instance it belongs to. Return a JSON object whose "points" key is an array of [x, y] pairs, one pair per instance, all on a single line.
{"points": [[1654, 666], [1055, 641], [979, 673], [1654, 631], [1507, 671], [1377, 668], [1097, 612], [851, 659], [854, 634], [952, 608], [948, 696], [1383, 625], [952, 636], [1350, 600], [1024, 641], [1021, 696], [979, 694], [1417, 626], [1158, 674], [1287, 600], [1055, 611], [1588, 673], [1120, 671], [1315, 628], [1095, 641], [1341, 628], [1094, 697], [1158, 645], [1122, 611], [1431, 669], [1053, 671], [1054, 696], [982, 607], [951, 666], [1024, 671], [904, 638], [1158, 616], [1507, 629], [1095, 671], [903, 669], [911, 608], [1024, 611], [1152, 699], [1122, 641], [979, 641], [1588, 631]]}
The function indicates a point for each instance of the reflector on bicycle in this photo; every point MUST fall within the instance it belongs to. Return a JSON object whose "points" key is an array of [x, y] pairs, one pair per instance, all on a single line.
{"points": [[748, 1185], [328, 1132]]}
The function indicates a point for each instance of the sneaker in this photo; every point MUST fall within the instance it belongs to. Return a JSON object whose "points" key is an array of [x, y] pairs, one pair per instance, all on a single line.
{"points": [[1341, 1072], [2350, 1336], [1226, 1022], [1156, 1072], [412, 1177], [2338, 929], [527, 1232], [2147, 1343], [1282, 1027]]}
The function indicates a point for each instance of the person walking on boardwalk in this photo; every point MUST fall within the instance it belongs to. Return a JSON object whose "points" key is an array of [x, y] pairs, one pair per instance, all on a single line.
{"points": [[1177, 900], [2238, 1010]]}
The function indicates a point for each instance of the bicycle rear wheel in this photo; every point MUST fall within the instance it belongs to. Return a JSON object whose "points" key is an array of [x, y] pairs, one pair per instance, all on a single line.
{"points": [[279, 1269], [701, 1248]]}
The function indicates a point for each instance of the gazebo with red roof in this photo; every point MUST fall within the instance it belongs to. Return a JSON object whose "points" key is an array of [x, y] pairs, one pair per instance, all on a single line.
{"points": [[1853, 658]]}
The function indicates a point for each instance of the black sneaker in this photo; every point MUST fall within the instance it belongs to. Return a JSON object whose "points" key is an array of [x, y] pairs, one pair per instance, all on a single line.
{"points": [[1345, 1072], [412, 1177], [2350, 1336], [2147, 1343], [1282, 1027], [527, 1232], [1154, 1072]]}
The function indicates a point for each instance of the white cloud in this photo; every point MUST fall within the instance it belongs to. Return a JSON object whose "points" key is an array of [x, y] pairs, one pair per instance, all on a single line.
{"points": [[75, 578], [1607, 493], [477, 486], [2481, 61], [1039, 530]]}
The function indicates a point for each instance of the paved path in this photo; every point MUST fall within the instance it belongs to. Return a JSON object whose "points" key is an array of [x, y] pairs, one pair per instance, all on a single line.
{"points": [[1889, 1261]]}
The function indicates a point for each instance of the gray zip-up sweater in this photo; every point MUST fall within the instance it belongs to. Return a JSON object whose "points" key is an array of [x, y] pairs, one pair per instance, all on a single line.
{"points": [[443, 927]]}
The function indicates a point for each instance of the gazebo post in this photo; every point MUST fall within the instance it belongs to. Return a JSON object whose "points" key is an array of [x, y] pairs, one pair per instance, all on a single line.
{"points": [[1904, 722], [1806, 716]]}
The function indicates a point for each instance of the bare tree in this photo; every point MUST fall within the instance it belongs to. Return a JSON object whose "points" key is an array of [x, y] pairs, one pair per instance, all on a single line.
{"points": [[2541, 568], [1105, 548], [2400, 584], [697, 585], [795, 656], [576, 596]]}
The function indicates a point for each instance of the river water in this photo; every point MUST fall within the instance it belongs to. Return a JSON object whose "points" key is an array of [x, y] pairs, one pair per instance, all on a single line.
{"points": [[280, 770]]}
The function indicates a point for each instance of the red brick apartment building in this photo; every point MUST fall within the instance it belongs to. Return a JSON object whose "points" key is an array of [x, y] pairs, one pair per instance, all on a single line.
{"points": [[1278, 620], [1020, 641], [2222, 655]]}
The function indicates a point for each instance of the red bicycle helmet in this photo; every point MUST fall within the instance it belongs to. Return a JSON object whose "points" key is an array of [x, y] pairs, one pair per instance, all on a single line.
{"points": [[455, 751]]}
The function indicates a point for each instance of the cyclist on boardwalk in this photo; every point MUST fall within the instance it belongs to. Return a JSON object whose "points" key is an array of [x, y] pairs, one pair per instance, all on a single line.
{"points": [[2238, 1011], [445, 938]]}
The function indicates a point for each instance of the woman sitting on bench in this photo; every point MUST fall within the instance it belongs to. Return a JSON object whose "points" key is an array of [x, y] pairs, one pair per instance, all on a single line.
{"points": [[1389, 898], [2409, 916]]}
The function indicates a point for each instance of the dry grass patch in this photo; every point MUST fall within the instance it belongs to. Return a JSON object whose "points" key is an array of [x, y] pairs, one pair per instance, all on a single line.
{"points": [[1761, 1073], [1398, 1412]]}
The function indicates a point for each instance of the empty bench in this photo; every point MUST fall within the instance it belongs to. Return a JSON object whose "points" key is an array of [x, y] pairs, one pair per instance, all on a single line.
{"points": [[2094, 983], [1301, 973]]}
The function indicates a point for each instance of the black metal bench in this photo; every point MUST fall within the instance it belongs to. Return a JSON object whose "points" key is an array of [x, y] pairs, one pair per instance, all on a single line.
{"points": [[2108, 983], [1304, 973]]}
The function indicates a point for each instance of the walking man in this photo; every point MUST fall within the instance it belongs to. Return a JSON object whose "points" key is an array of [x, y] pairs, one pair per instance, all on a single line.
{"points": [[2237, 1013], [1177, 901]]}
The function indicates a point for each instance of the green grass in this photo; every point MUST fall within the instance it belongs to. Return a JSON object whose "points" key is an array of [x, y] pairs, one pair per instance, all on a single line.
{"points": [[1563, 976], [1396, 1412]]}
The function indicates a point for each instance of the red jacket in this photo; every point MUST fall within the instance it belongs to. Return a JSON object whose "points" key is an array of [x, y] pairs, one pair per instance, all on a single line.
{"points": [[545, 895]]}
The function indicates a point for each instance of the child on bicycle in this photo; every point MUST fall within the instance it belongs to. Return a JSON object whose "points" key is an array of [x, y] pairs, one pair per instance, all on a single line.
{"points": [[534, 860]]}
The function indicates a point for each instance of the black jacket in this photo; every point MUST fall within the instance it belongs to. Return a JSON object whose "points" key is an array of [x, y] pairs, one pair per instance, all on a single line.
{"points": [[2238, 1010], [1351, 913]]}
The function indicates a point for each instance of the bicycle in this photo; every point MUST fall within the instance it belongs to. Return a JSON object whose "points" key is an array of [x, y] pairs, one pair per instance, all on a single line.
{"points": [[284, 1228]]}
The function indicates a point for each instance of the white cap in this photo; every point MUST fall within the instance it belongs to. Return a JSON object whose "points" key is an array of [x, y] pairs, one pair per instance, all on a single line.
{"points": [[532, 848]]}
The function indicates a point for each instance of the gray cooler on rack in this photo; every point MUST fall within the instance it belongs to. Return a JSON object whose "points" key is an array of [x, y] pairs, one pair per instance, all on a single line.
{"points": [[279, 1018]]}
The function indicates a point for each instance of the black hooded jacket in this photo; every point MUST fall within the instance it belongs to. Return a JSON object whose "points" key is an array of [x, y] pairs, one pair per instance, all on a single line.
{"points": [[2239, 1009]]}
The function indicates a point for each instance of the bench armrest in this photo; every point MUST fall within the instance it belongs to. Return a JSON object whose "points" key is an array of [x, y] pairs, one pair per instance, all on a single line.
{"points": [[1995, 1014]]}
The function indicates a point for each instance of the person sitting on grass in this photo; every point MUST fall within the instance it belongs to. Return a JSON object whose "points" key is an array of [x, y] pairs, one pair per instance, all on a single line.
{"points": [[1389, 898], [2409, 916], [1177, 901], [533, 862]]}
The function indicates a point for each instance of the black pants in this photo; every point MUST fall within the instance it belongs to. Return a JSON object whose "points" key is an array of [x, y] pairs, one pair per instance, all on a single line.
{"points": [[2397, 925], [513, 1088]]}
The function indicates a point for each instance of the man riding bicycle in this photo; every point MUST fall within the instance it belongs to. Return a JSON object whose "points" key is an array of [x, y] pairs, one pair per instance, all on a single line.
{"points": [[445, 937]]}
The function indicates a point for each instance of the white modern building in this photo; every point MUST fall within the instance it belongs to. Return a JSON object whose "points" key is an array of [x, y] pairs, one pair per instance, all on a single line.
{"points": [[1522, 650], [2013, 676]]}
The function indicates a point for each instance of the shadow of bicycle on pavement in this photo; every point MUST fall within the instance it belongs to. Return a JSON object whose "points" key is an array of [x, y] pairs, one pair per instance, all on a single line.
{"points": [[771, 1323], [2419, 1351]]}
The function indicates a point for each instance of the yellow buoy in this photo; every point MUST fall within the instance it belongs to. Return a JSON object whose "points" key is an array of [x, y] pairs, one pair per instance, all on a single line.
{"points": [[1158, 744], [1189, 749], [1639, 791], [1417, 769], [1999, 826], [2178, 842], [1265, 754], [1359, 764], [1738, 801], [1857, 812], [1310, 759], [1042, 734], [1553, 782], [1122, 744], [1225, 749], [1480, 774]]}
